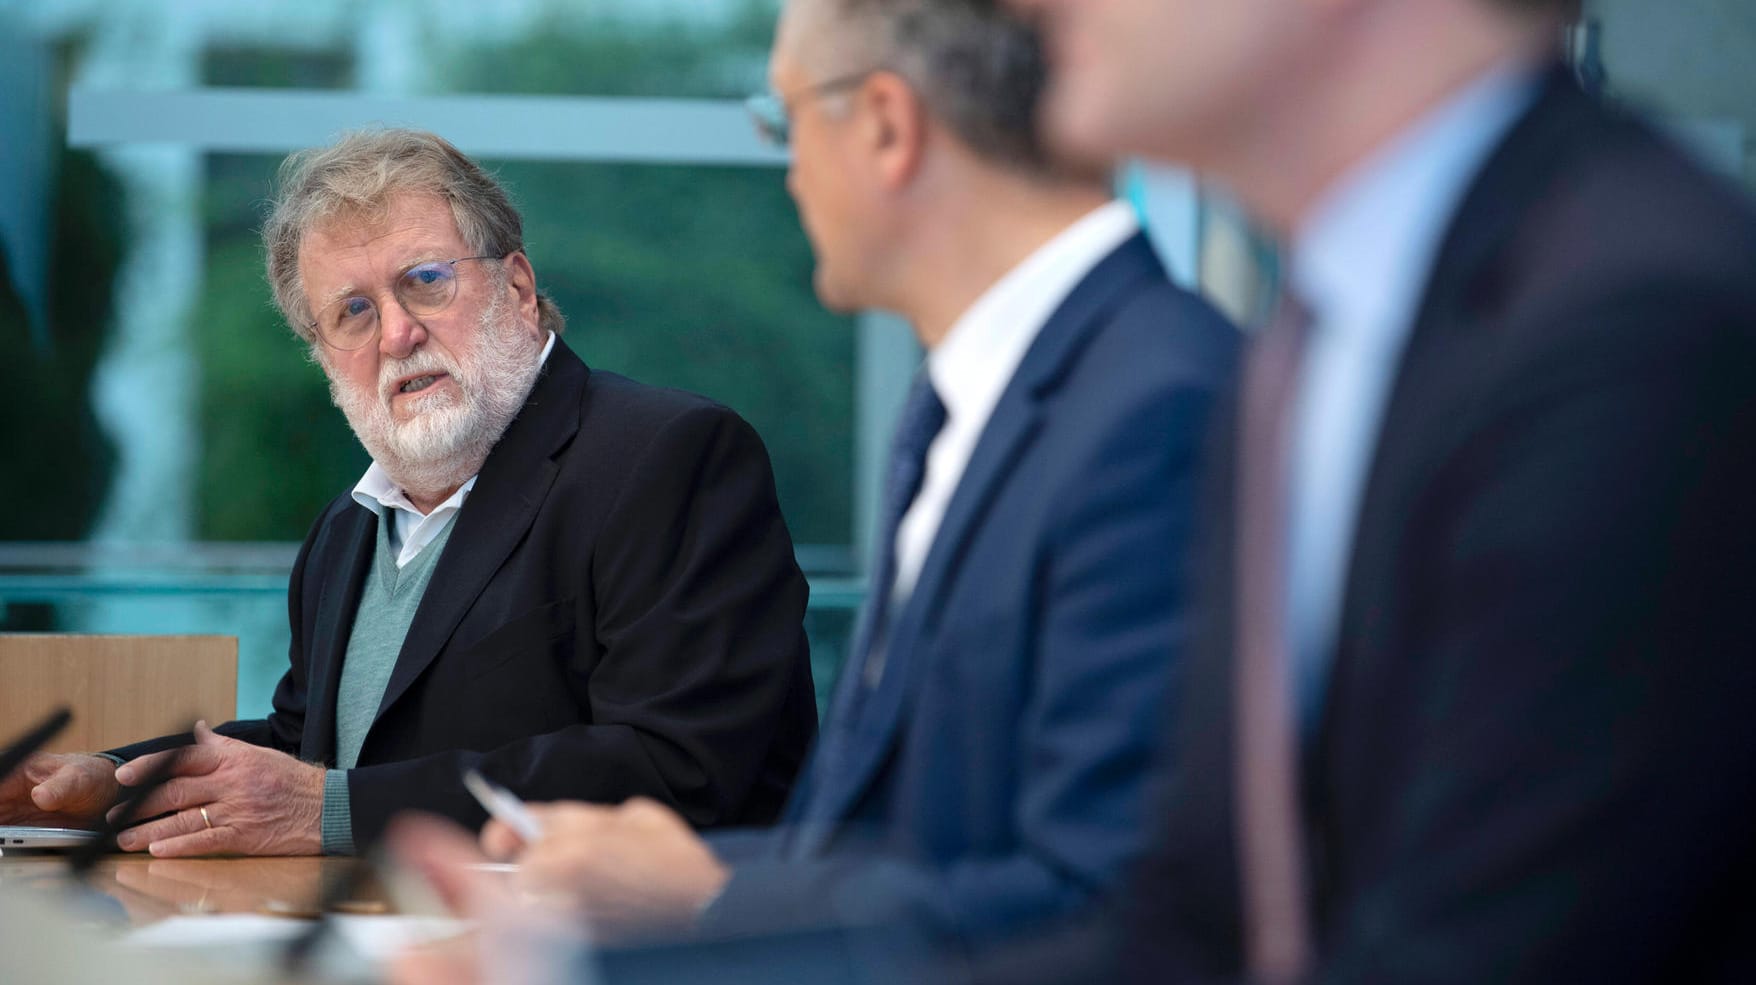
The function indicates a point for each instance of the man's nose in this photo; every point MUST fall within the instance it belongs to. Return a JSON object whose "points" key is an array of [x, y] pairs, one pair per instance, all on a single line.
{"points": [[399, 333]]}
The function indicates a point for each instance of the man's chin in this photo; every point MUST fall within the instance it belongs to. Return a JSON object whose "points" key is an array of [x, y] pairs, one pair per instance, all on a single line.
{"points": [[430, 443], [405, 408], [831, 292]]}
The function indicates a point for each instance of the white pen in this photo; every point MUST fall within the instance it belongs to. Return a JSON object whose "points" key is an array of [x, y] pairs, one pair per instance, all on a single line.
{"points": [[503, 805]]}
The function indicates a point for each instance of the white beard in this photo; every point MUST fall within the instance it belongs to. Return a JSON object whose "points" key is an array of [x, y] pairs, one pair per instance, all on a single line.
{"points": [[449, 435]]}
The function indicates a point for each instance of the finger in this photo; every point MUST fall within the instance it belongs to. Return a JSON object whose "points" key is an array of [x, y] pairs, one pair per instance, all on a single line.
{"points": [[186, 761], [141, 836], [143, 879], [571, 817], [182, 793], [68, 787], [206, 841], [442, 853], [205, 736], [447, 963], [500, 842], [557, 826], [644, 811], [41, 766], [565, 867]]}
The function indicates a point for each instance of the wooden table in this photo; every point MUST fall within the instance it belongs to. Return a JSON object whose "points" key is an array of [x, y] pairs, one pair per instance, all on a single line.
{"points": [[150, 889], [59, 933]]}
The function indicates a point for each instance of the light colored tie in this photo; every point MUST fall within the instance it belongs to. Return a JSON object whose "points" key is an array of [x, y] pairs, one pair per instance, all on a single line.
{"points": [[1277, 932]]}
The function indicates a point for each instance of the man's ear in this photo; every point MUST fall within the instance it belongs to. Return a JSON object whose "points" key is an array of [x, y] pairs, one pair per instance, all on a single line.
{"points": [[896, 122], [521, 278]]}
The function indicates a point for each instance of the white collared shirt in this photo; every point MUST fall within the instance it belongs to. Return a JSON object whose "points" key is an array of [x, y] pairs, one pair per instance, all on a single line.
{"points": [[1361, 263], [972, 365], [410, 529]]}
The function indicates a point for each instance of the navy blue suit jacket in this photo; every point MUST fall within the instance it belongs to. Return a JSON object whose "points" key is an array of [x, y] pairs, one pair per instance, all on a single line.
{"points": [[995, 777], [1537, 762]]}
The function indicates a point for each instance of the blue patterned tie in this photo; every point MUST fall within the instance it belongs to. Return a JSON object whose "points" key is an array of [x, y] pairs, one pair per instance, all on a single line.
{"points": [[923, 416]]}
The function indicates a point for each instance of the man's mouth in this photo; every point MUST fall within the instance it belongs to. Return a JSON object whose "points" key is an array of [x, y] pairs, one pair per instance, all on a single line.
{"points": [[416, 384]]}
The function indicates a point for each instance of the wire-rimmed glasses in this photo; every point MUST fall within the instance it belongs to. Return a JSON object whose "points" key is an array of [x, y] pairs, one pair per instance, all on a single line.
{"points": [[773, 113], [426, 288]]}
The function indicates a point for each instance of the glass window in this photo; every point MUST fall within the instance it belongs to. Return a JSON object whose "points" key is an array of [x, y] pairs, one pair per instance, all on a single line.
{"points": [[172, 442]]}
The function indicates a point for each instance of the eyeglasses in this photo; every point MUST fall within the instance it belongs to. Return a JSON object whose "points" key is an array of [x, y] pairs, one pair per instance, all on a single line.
{"points": [[423, 289], [773, 113]]}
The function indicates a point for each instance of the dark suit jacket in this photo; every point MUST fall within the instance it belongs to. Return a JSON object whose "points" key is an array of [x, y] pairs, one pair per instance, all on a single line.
{"points": [[617, 612], [995, 778], [1537, 762]]}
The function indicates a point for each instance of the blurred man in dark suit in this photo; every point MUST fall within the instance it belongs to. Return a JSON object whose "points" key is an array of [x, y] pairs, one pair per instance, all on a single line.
{"points": [[1471, 704], [983, 768]]}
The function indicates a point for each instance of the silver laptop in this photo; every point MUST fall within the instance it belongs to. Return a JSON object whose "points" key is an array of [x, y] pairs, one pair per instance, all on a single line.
{"points": [[18, 838]]}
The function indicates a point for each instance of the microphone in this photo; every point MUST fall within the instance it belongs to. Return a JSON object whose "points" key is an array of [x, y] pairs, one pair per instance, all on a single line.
{"points": [[35, 739]]}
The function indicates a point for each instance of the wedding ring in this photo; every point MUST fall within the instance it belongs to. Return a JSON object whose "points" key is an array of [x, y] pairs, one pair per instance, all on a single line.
{"points": [[206, 820]]}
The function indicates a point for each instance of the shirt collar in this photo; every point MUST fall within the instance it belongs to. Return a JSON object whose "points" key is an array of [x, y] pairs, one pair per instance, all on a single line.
{"points": [[376, 492], [977, 357], [1365, 252]]}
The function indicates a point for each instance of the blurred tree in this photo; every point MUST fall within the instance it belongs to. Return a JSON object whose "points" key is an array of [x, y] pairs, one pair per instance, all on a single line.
{"points": [[57, 460], [695, 277]]}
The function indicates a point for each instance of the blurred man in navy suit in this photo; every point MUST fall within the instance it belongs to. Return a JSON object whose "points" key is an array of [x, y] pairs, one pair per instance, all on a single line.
{"points": [[983, 770], [1470, 702]]}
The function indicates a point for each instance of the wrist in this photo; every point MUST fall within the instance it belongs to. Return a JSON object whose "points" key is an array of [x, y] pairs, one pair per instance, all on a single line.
{"points": [[335, 825]]}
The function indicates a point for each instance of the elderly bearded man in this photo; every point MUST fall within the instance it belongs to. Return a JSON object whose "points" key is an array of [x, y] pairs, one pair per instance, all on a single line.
{"points": [[577, 584]]}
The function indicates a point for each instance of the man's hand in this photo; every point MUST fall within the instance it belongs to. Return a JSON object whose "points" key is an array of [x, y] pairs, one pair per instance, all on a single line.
{"points": [[59, 790], [630, 868], [521, 938], [258, 801]]}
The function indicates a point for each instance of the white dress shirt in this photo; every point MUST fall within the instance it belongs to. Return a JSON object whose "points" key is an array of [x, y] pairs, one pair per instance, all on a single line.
{"points": [[410, 529], [1361, 263], [972, 365]]}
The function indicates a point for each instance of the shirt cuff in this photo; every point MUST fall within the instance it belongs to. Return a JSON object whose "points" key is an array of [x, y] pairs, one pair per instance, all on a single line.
{"points": [[338, 816]]}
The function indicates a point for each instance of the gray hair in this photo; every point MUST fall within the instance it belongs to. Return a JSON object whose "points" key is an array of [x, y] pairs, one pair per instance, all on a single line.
{"points": [[977, 64], [359, 175]]}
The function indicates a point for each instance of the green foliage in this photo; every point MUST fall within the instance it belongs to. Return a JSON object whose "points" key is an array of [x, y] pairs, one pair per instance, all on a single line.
{"points": [[696, 278], [57, 461], [611, 56], [274, 449], [699, 278]]}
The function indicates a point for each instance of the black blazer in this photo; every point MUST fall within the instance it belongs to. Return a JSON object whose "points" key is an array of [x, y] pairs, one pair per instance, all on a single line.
{"points": [[617, 612], [1538, 761]]}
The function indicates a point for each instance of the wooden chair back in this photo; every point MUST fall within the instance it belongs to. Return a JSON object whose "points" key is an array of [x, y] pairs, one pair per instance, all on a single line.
{"points": [[121, 688]]}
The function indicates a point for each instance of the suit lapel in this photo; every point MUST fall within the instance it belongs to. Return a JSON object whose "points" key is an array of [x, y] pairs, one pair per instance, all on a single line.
{"points": [[355, 531], [1450, 351], [512, 485], [1014, 423]]}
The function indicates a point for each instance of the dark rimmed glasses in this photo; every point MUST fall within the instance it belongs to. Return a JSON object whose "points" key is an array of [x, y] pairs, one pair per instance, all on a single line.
{"points": [[773, 113], [424, 289]]}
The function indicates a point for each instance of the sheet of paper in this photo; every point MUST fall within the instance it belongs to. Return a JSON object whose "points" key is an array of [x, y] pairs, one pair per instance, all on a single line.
{"points": [[212, 930], [376, 938], [379, 938]]}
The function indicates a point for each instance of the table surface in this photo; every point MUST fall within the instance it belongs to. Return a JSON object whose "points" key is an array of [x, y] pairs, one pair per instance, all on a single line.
{"points": [[152, 889]]}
